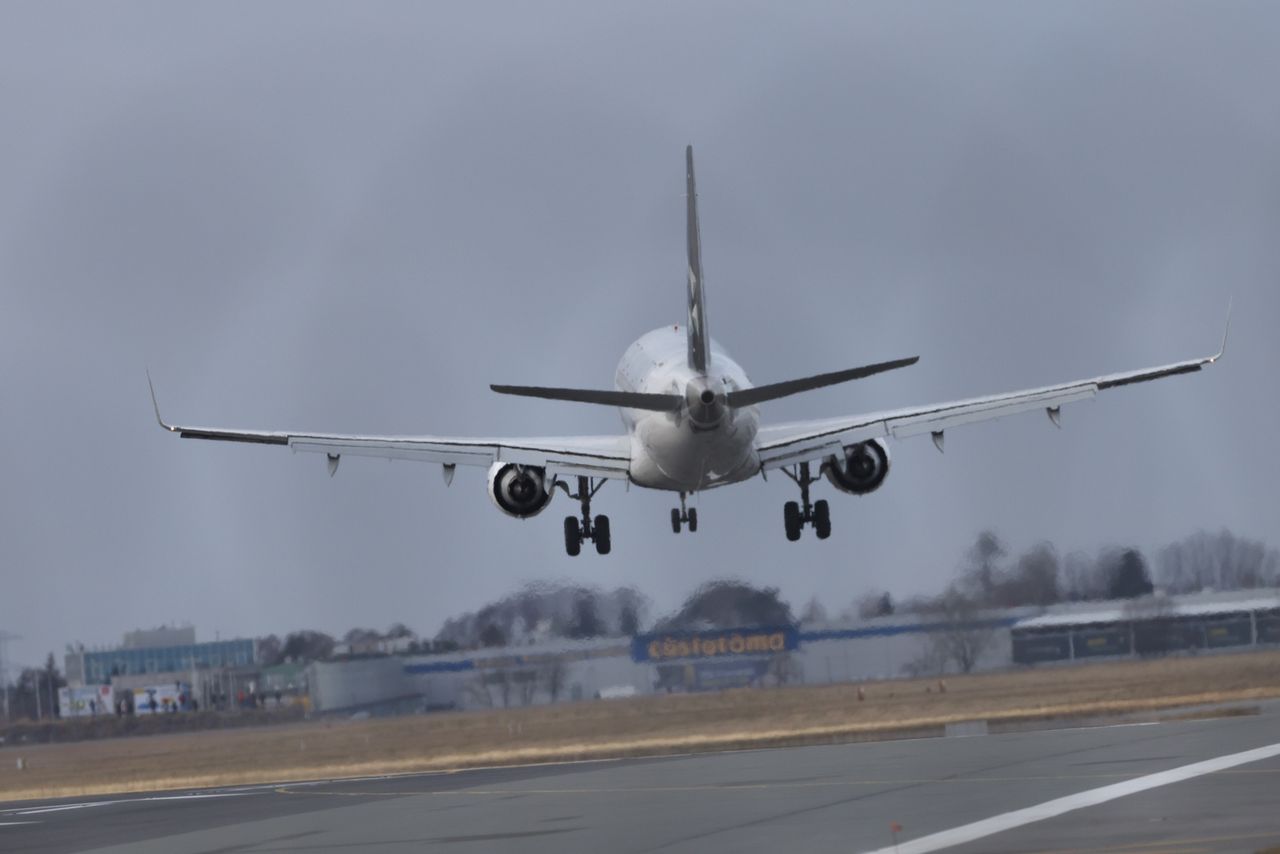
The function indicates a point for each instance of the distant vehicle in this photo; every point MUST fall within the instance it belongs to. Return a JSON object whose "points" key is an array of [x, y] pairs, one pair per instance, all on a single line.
{"points": [[692, 424]]}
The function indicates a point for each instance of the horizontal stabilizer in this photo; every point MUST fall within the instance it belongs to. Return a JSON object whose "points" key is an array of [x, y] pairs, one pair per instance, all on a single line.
{"points": [[628, 399], [773, 391]]}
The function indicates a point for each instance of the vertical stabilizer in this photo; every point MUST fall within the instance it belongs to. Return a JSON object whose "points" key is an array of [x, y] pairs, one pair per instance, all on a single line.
{"points": [[699, 340]]}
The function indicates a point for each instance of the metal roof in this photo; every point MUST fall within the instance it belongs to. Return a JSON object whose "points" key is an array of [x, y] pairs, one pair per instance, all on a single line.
{"points": [[1111, 612]]}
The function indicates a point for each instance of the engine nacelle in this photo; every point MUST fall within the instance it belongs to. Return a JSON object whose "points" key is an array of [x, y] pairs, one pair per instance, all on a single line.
{"points": [[866, 465], [520, 491]]}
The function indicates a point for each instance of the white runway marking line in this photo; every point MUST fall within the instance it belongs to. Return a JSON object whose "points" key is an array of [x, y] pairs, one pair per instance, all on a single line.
{"points": [[12, 823], [1050, 809], [63, 807], [87, 804]]}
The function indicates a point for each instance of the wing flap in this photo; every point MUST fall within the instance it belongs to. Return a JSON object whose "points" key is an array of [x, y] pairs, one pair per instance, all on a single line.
{"points": [[984, 410]]}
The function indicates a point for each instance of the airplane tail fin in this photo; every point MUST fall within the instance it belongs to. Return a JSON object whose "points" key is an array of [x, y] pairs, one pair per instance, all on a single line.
{"points": [[696, 330]]}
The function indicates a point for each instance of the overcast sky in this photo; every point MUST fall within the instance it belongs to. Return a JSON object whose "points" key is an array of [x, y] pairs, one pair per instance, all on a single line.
{"points": [[354, 217]]}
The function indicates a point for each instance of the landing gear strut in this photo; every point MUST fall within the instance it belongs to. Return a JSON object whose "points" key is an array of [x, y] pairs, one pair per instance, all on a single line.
{"points": [[682, 516], [796, 516], [575, 530]]}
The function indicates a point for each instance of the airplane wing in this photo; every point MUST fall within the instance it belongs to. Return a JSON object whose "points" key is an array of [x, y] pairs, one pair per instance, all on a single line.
{"points": [[588, 456], [805, 441]]}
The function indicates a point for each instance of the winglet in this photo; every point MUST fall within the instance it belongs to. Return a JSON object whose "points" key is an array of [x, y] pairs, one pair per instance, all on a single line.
{"points": [[1225, 332], [155, 405]]}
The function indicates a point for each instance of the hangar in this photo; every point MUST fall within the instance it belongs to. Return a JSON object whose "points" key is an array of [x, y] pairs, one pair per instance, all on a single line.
{"points": [[1152, 625]]}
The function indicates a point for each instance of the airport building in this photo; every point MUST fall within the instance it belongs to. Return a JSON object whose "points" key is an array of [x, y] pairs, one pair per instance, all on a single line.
{"points": [[100, 666], [148, 663]]}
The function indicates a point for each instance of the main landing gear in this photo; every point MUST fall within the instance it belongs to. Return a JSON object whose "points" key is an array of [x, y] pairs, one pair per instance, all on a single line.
{"points": [[576, 531], [680, 516], [796, 516]]}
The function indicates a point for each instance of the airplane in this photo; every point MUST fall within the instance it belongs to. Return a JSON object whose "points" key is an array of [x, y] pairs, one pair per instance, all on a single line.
{"points": [[692, 423]]}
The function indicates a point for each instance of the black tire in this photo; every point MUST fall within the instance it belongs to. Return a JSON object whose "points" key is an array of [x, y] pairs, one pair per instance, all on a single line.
{"points": [[791, 518], [572, 536], [675, 520], [693, 519], [822, 519], [603, 543]]}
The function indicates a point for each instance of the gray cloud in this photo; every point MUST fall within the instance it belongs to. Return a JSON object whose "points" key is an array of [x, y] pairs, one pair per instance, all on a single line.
{"points": [[341, 217]]}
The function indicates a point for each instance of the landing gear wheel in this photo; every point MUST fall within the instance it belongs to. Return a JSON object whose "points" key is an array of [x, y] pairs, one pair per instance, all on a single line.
{"points": [[572, 536], [791, 518], [822, 519], [603, 544], [684, 515]]}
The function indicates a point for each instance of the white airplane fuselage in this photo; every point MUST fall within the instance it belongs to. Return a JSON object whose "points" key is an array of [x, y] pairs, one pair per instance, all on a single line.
{"points": [[705, 443]]}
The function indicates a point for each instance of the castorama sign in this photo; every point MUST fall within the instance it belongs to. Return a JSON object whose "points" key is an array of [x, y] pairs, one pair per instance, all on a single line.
{"points": [[720, 643]]}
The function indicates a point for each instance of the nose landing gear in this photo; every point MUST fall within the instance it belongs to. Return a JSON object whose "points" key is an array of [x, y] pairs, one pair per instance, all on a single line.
{"points": [[575, 531], [796, 515], [680, 516]]}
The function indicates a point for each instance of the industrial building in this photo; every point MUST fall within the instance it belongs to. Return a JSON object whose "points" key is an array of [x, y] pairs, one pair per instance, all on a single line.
{"points": [[875, 649], [221, 673], [566, 670], [1153, 625]]}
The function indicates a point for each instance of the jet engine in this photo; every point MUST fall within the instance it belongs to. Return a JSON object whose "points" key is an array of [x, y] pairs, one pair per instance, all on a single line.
{"points": [[520, 491], [866, 465]]}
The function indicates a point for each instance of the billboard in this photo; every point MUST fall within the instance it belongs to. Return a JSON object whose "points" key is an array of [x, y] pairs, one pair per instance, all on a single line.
{"points": [[1029, 648], [86, 701], [157, 699], [1101, 642], [718, 643], [1228, 633]]}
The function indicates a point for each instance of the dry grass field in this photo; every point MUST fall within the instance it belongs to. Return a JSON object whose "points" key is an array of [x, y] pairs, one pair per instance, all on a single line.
{"points": [[635, 727]]}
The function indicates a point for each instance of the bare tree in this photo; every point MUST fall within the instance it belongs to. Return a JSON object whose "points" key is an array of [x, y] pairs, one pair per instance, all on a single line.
{"points": [[1033, 580], [552, 674], [873, 603], [729, 603], [478, 690], [527, 682], [784, 669], [964, 636], [982, 568], [1081, 579], [501, 677], [813, 612], [932, 660], [1220, 561]]}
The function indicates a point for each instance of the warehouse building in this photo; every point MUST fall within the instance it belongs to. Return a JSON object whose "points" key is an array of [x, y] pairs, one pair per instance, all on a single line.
{"points": [[571, 670], [1149, 626]]}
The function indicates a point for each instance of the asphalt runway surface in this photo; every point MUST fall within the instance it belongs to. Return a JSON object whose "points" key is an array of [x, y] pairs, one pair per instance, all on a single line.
{"points": [[1175, 786]]}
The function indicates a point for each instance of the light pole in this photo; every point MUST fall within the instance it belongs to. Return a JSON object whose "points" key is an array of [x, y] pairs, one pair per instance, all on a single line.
{"points": [[4, 670]]}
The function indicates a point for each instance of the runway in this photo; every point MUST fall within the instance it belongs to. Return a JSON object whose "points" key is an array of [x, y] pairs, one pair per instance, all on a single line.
{"points": [[1177, 786]]}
